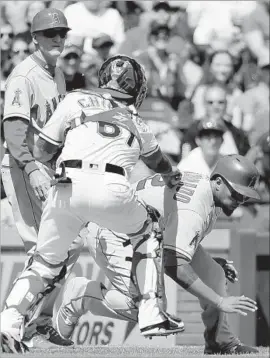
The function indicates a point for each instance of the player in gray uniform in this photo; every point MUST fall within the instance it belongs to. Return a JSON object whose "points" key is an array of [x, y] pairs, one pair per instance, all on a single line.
{"points": [[33, 90]]}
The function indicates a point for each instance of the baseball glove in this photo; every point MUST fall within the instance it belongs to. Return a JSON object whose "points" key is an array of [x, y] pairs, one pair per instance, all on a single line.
{"points": [[230, 271]]}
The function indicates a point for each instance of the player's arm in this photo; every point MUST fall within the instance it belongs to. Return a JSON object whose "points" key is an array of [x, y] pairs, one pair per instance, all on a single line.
{"points": [[158, 162], [155, 159], [180, 270], [15, 131], [161, 164], [44, 151], [52, 135], [16, 120], [188, 225]]}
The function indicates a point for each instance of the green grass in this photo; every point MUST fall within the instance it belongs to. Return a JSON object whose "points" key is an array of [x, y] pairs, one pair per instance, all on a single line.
{"points": [[128, 352]]}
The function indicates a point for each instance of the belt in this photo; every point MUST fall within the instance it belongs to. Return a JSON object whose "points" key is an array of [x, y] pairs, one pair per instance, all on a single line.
{"points": [[78, 164]]}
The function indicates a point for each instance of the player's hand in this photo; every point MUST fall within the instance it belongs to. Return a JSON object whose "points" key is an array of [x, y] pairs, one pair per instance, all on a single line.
{"points": [[173, 178], [40, 184], [237, 304], [230, 271]]}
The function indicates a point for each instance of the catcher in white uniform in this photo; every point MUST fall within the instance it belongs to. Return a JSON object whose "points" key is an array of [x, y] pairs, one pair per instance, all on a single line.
{"points": [[189, 212], [101, 140]]}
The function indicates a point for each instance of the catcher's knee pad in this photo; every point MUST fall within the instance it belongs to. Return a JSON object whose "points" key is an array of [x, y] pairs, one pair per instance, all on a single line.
{"points": [[122, 305], [147, 266]]}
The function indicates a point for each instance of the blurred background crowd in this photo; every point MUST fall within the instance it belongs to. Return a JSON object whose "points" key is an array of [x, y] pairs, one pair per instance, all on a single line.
{"points": [[207, 65]]}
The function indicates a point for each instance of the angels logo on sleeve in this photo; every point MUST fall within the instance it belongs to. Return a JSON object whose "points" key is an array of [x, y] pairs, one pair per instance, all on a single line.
{"points": [[16, 99]]}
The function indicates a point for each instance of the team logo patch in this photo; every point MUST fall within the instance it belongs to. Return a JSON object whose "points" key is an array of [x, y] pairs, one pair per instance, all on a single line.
{"points": [[16, 100], [55, 18]]}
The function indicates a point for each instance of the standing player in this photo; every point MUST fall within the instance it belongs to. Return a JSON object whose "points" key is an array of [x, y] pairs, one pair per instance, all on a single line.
{"points": [[101, 140], [189, 212], [33, 90]]}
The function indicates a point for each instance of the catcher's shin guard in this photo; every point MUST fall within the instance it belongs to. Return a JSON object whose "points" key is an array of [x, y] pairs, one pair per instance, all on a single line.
{"points": [[25, 292], [28, 292], [147, 275]]}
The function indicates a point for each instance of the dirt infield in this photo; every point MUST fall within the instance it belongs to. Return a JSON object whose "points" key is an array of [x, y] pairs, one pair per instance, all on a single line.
{"points": [[128, 352]]}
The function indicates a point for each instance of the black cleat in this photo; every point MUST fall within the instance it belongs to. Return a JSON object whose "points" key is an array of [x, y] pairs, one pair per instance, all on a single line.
{"points": [[53, 336], [164, 328], [236, 349]]}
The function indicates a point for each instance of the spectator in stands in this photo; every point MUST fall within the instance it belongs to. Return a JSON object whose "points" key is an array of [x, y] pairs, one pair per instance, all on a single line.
{"points": [[136, 38], [256, 29], [32, 9], [219, 70], [215, 102], [102, 44], [208, 18], [130, 11], [19, 51], [89, 19], [14, 14], [70, 62], [163, 69], [90, 71], [7, 36], [254, 104], [209, 139]]}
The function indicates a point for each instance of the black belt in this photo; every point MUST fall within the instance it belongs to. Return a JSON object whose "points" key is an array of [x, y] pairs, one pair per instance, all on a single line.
{"points": [[111, 168]]}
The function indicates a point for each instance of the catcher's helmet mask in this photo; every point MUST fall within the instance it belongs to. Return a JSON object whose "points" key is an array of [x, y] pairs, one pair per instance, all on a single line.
{"points": [[124, 78], [240, 174]]}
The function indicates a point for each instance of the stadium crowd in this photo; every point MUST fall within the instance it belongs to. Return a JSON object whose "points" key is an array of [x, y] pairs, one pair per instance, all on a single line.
{"points": [[207, 65]]}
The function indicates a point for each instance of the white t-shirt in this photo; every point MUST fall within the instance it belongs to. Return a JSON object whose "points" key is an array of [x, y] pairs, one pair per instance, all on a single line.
{"points": [[195, 162], [84, 23]]}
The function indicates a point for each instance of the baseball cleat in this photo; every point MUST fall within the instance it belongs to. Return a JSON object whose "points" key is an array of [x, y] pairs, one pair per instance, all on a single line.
{"points": [[238, 348], [175, 320], [164, 328], [39, 341], [10, 345], [51, 334], [65, 322]]}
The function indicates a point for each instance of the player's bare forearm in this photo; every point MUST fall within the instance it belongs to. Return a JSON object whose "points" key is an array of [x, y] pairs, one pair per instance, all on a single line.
{"points": [[183, 274], [158, 162], [44, 151]]}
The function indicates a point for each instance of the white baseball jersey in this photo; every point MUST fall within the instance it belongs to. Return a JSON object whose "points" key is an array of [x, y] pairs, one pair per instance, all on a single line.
{"points": [[188, 210], [111, 133]]}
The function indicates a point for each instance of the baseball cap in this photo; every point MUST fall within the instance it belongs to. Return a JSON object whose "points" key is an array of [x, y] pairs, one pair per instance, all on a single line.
{"points": [[155, 27], [211, 124], [71, 48], [102, 40], [161, 5]]}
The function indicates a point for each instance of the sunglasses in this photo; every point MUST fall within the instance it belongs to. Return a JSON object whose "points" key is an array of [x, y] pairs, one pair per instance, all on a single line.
{"points": [[9, 34], [51, 33], [217, 102], [21, 51], [71, 56], [239, 198]]}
